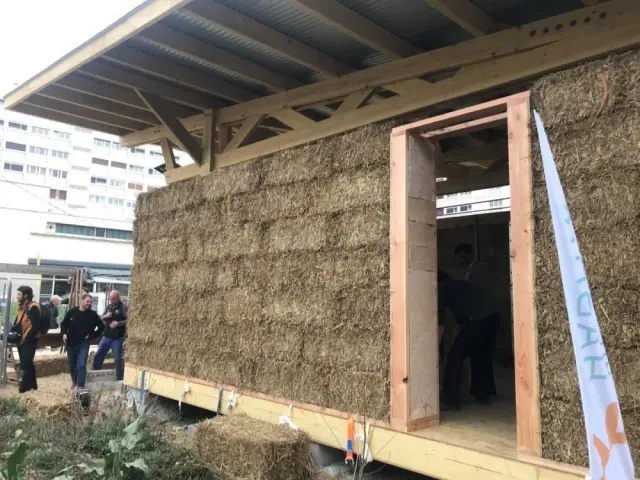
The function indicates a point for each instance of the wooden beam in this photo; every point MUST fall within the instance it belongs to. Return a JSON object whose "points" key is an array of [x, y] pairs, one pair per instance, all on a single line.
{"points": [[221, 17], [97, 103], [353, 101], [68, 119], [209, 139], [523, 278], [467, 15], [217, 57], [135, 21], [84, 112], [242, 133], [101, 89], [178, 134], [175, 73], [110, 73], [293, 119], [509, 49], [467, 127], [356, 26], [167, 153]]}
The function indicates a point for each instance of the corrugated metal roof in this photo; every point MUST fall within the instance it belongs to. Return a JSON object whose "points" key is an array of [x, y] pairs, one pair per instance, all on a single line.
{"points": [[287, 19], [412, 20], [519, 12]]}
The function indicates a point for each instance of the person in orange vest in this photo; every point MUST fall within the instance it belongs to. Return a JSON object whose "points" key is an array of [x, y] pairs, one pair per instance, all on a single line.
{"points": [[26, 328]]}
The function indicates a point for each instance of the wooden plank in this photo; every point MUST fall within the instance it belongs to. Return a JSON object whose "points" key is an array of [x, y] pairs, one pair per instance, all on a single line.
{"points": [[178, 134], [209, 140], [217, 57], [175, 73], [522, 266], [467, 127], [111, 73], [101, 89], [96, 103], [516, 46], [167, 154], [135, 21], [185, 172], [435, 458], [293, 119], [242, 133], [354, 101], [221, 17], [467, 15], [356, 26], [411, 86]]}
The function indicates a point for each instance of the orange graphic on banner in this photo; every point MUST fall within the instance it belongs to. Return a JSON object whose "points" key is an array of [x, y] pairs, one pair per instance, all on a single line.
{"points": [[613, 436]]}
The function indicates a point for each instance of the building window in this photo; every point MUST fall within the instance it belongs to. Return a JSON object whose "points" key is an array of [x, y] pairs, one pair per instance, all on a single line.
{"points": [[98, 181], [38, 150], [13, 167], [55, 173], [83, 130], [116, 146], [79, 168], [60, 154], [58, 194], [450, 210], [100, 161], [92, 231], [33, 170], [18, 147], [18, 126], [114, 182], [137, 151], [495, 204], [465, 208], [77, 206], [78, 187], [102, 142], [1, 123], [81, 149], [97, 199], [121, 165], [136, 169], [131, 204], [40, 131], [62, 135], [116, 202], [134, 186], [155, 154]]}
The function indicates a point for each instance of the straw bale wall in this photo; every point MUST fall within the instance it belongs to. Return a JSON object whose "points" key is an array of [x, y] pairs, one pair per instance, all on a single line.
{"points": [[592, 116], [272, 276]]}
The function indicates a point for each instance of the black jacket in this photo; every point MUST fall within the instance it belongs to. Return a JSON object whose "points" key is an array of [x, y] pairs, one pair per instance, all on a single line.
{"points": [[80, 325], [119, 313]]}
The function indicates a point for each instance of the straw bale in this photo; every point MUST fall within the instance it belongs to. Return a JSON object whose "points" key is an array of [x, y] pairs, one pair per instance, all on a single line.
{"points": [[311, 161], [193, 279], [591, 114], [366, 147], [227, 275], [359, 228], [286, 201], [306, 306], [365, 308], [361, 267], [252, 449], [226, 182], [233, 240], [295, 381], [166, 250], [243, 305], [367, 393], [305, 233]]}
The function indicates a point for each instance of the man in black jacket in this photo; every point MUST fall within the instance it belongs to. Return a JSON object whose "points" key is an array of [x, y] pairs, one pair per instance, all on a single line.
{"points": [[80, 325], [26, 327], [115, 325]]}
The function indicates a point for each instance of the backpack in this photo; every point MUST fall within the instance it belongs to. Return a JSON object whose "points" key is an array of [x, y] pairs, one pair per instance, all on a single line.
{"points": [[45, 317]]}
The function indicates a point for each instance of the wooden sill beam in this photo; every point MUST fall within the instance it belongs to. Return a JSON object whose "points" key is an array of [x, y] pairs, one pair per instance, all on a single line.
{"points": [[357, 27], [221, 17], [467, 15]]}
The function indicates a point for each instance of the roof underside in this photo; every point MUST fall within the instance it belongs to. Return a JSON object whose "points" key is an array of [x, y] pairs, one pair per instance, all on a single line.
{"points": [[200, 54]]}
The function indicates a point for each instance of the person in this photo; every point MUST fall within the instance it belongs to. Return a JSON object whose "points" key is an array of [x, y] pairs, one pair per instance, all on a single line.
{"points": [[115, 324], [54, 302], [27, 327], [475, 271], [479, 328], [79, 326]]}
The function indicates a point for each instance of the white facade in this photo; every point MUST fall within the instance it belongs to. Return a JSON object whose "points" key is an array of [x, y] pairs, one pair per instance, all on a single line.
{"points": [[68, 194], [489, 200]]}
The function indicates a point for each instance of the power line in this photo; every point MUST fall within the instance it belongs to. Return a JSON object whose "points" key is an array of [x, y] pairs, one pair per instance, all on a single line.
{"points": [[16, 184]]}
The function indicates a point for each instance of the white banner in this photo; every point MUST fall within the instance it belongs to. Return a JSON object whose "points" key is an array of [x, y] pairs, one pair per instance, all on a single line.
{"points": [[609, 454]]}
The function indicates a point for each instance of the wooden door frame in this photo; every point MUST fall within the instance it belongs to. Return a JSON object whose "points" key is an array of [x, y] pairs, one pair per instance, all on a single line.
{"points": [[413, 266]]}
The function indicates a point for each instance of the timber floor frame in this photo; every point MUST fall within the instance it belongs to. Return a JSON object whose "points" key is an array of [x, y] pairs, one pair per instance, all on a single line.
{"points": [[441, 452]]}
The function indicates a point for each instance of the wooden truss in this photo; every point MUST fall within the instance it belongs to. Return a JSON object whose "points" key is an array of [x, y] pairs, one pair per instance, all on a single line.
{"points": [[283, 120]]}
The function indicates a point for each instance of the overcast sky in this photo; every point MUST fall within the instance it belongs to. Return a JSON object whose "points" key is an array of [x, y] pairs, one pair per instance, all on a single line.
{"points": [[35, 33]]}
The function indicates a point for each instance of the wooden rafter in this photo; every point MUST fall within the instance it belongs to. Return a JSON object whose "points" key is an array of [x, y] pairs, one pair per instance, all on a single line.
{"points": [[354, 100], [221, 17], [356, 26], [249, 125], [177, 133], [101, 89], [167, 153], [183, 76], [209, 139], [113, 74], [293, 119], [217, 57], [509, 55], [467, 15]]}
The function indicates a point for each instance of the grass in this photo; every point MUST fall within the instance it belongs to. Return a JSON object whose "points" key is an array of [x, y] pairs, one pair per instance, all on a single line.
{"points": [[55, 444]]}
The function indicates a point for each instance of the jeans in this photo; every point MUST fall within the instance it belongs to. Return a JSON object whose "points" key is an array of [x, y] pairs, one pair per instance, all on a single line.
{"points": [[116, 347], [475, 340], [26, 353], [78, 355]]}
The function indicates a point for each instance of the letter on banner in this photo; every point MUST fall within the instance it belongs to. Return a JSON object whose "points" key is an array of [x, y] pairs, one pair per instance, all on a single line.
{"points": [[609, 454]]}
